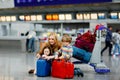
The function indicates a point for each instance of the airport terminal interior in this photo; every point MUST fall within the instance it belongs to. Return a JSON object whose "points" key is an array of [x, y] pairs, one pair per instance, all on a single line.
{"points": [[15, 64], [62, 17]]}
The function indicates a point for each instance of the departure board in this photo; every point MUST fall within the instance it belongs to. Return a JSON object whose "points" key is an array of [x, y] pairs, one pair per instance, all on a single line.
{"points": [[20, 3]]}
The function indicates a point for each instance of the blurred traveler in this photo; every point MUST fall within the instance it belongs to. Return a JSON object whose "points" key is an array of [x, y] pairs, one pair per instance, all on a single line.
{"points": [[30, 44], [108, 41], [116, 43]]}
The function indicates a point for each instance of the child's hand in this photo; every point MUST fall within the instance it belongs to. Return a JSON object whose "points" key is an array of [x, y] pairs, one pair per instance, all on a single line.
{"points": [[67, 56], [46, 57], [43, 56], [56, 56], [61, 57], [38, 56]]}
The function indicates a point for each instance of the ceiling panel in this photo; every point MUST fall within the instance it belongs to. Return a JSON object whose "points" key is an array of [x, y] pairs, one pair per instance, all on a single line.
{"points": [[62, 8]]}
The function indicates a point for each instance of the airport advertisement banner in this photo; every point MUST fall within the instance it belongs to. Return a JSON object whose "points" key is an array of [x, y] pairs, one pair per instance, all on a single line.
{"points": [[6, 4], [20, 3]]}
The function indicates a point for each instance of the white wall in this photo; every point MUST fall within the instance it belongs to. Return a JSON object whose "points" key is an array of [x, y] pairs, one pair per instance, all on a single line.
{"points": [[6, 3], [20, 27], [116, 0]]}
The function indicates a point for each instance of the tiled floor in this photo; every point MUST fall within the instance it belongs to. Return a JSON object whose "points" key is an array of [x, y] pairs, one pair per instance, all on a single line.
{"points": [[14, 65]]}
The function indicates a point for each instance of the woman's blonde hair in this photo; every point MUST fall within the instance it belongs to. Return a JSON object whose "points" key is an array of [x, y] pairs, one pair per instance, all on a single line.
{"points": [[53, 47], [54, 35], [57, 44]]}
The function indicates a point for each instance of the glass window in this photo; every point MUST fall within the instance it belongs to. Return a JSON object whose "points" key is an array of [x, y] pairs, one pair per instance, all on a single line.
{"points": [[21, 17], [61, 17], [55, 17], [3, 18], [49, 17], [86, 16], [39, 17], [113, 16], [8, 18], [119, 15], [27, 18], [79, 16], [101, 15], [68, 16], [33, 17], [13, 18], [93, 15]]}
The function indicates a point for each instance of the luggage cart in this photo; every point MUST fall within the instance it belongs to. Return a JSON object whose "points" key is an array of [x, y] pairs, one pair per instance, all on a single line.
{"points": [[96, 60]]}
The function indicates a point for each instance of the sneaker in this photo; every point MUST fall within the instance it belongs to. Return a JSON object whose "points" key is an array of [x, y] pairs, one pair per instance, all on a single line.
{"points": [[31, 71], [110, 54], [78, 72], [114, 56], [29, 51]]}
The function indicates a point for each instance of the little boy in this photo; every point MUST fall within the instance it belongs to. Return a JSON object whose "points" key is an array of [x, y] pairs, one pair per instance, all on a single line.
{"points": [[66, 50]]}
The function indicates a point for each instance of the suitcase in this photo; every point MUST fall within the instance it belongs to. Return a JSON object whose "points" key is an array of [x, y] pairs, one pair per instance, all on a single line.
{"points": [[43, 67], [62, 69]]}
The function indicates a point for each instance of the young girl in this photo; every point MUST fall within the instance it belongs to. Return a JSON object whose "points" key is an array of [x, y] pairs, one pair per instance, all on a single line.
{"points": [[46, 52]]}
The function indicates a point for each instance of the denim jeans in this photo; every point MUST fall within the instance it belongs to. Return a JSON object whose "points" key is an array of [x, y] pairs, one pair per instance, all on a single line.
{"points": [[116, 48], [31, 44], [81, 54]]}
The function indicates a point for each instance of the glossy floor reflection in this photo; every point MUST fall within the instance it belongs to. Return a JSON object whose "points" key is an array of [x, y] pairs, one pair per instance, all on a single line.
{"points": [[14, 65]]}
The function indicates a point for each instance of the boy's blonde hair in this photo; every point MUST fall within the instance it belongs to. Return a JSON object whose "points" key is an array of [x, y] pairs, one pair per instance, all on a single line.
{"points": [[66, 38]]}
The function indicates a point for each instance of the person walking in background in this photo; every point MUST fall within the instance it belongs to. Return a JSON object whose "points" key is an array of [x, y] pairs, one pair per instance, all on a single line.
{"points": [[116, 43], [27, 40], [108, 41], [31, 41]]}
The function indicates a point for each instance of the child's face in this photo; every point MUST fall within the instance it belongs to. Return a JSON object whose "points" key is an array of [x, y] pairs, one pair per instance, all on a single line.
{"points": [[46, 51], [65, 43]]}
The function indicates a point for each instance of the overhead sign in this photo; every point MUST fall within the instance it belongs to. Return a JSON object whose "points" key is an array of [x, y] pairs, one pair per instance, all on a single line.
{"points": [[20, 3]]}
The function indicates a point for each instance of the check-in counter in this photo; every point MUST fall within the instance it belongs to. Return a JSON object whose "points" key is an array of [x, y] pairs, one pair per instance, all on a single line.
{"points": [[19, 42], [13, 42]]}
